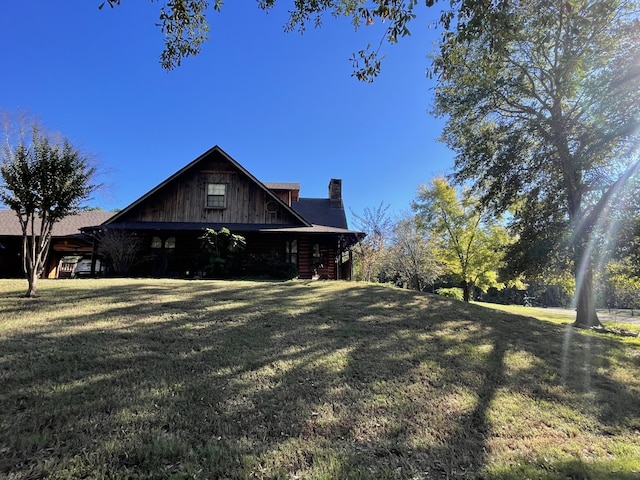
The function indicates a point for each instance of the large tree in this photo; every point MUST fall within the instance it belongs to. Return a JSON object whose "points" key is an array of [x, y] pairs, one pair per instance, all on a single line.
{"points": [[547, 124], [185, 23], [43, 182], [467, 242]]}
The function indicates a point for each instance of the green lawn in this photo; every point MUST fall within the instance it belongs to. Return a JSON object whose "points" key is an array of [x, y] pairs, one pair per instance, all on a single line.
{"points": [[296, 380]]}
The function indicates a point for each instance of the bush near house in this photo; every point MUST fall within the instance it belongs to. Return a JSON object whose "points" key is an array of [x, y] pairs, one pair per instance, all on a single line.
{"points": [[268, 265]]}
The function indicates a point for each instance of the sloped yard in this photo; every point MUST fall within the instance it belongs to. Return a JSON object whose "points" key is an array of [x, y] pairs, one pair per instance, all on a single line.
{"points": [[325, 380]]}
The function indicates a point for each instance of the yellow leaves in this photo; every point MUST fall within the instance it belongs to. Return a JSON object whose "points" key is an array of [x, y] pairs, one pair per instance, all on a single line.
{"points": [[469, 245]]}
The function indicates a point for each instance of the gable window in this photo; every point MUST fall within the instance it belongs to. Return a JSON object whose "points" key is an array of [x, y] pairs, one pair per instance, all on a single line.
{"points": [[291, 251], [272, 211], [216, 195]]}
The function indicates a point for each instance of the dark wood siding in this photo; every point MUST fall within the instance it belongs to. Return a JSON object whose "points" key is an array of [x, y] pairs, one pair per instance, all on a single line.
{"points": [[11, 257], [305, 269], [308, 263], [184, 200]]}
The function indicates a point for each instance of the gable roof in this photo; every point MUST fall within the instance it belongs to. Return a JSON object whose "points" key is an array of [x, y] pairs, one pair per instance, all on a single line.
{"points": [[71, 225], [214, 150]]}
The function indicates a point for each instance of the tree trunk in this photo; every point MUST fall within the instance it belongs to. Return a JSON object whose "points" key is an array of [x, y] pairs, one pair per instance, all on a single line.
{"points": [[34, 257], [586, 315], [416, 282], [466, 290], [32, 279], [27, 263]]}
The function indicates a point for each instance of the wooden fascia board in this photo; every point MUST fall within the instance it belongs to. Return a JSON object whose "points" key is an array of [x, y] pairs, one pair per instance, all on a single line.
{"points": [[192, 165]]}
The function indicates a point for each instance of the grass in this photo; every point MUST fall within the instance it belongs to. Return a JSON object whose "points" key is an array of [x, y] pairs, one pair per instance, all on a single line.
{"points": [[324, 380], [615, 319]]}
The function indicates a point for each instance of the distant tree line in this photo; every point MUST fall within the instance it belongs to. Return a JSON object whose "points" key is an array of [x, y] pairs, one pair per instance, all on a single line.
{"points": [[450, 242]]}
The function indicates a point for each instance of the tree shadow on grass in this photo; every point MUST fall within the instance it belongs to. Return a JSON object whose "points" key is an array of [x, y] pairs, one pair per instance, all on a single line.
{"points": [[250, 380]]}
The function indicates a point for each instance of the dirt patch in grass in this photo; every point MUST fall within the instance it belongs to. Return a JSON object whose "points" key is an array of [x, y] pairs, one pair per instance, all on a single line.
{"points": [[324, 380]]}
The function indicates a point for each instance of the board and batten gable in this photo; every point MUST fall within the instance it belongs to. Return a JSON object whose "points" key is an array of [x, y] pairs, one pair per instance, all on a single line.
{"points": [[183, 197]]}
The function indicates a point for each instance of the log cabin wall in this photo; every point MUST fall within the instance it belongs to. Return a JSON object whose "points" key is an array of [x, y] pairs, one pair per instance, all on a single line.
{"points": [[308, 261], [328, 255], [305, 268]]}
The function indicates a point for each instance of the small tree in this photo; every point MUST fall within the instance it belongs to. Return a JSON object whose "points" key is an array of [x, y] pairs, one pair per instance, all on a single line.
{"points": [[410, 257], [469, 247], [370, 252], [120, 248], [221, 249], [43, 182]]}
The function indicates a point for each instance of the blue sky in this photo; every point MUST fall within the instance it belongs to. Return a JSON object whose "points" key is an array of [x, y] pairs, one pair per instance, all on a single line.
{"points": [[282, 104]]}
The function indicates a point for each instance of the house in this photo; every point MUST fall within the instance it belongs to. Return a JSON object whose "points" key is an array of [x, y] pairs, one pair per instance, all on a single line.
{"points": [[68, 243], [215, 191]]}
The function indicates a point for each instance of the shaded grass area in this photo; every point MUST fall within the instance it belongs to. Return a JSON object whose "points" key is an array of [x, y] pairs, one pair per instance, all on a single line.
{"points": [[612, 320], [324, 380]]}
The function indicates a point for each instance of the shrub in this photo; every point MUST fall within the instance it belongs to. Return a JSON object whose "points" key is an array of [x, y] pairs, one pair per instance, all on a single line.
{"points": [[284, 271], [454, 292], [221, 250], [120, 249], [269, 265]]}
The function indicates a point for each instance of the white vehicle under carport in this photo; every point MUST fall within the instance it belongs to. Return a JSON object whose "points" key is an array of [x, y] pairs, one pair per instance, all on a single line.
{"points": [[83, 268]]}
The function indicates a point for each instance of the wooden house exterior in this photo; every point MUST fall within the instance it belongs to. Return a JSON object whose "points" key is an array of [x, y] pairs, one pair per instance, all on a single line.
{"points": [[215, 191], [68, 243]]}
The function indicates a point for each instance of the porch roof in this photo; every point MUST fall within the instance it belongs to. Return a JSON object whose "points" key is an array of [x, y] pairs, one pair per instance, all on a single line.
{"points": [[234, 227]]}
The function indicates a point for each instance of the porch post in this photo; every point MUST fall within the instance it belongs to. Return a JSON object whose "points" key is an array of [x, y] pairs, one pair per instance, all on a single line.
{"points": [[350, 264], [338, 259], [94, 254]]}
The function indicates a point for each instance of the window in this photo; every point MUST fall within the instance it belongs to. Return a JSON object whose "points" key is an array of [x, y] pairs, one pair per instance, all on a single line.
{"points": [[216, 195], [158, 244], [272, 211], [291, 251]]}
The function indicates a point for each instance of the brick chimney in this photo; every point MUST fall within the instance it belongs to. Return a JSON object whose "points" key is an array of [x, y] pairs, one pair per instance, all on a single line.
{"points": [[335, 193]]}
